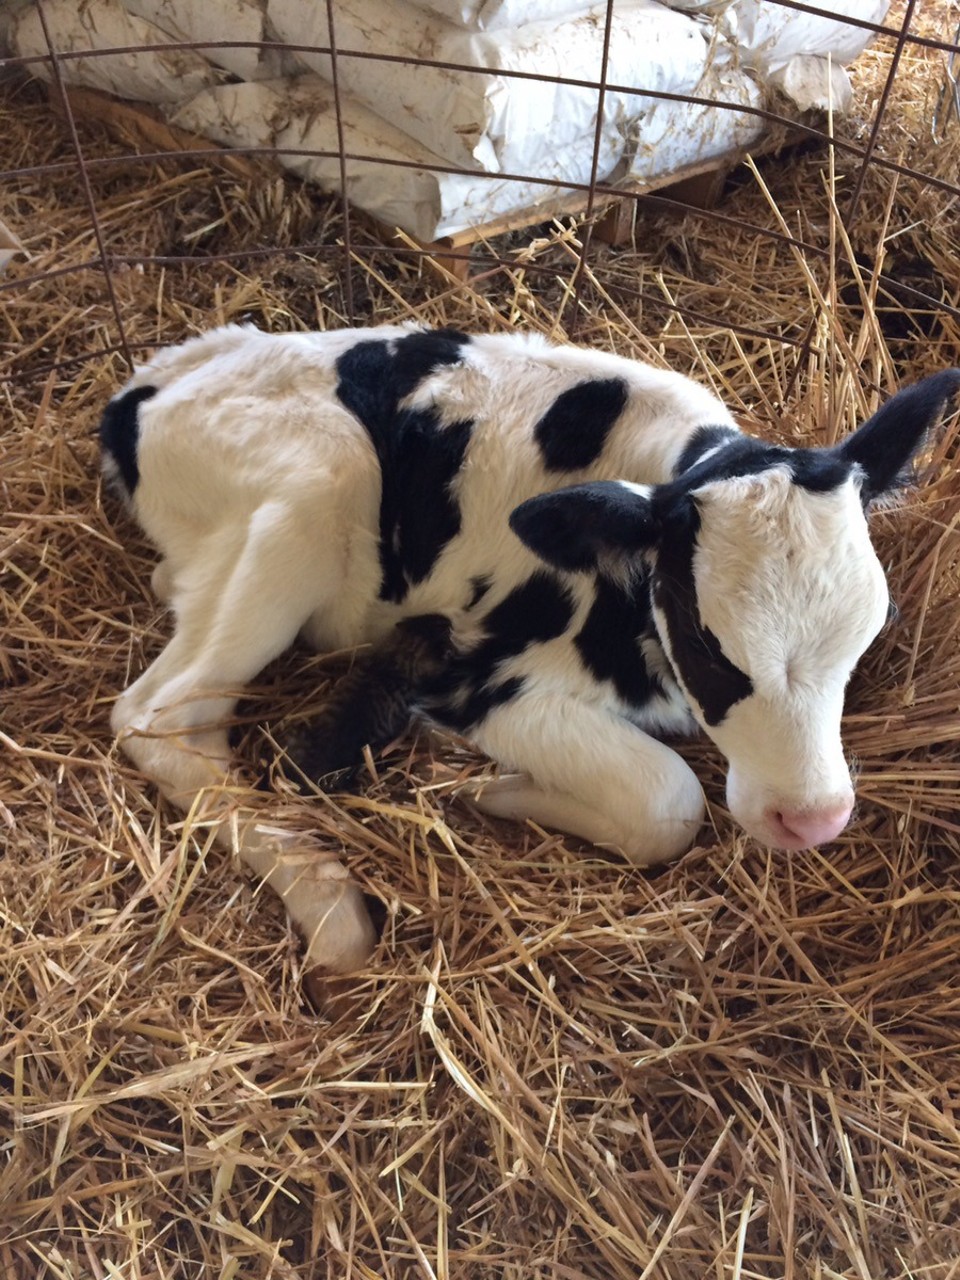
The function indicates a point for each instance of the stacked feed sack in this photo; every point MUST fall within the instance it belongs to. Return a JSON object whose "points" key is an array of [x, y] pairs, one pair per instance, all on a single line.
{"points": [[518, 143]]}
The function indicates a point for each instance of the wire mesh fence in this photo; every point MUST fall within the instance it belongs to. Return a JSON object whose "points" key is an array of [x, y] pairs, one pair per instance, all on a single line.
{"points": [[479, 249]]}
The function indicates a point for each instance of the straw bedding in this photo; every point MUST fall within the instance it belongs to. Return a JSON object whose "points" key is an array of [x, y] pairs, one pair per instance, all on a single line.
{"points": [[557, 1067]]}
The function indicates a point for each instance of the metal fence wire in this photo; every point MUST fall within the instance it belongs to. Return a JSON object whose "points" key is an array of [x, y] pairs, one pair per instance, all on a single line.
{"points": [[854, 143], [947, 110]]}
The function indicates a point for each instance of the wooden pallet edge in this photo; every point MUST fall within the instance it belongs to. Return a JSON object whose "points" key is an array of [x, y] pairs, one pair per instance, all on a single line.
{"points": [[141, 124]]}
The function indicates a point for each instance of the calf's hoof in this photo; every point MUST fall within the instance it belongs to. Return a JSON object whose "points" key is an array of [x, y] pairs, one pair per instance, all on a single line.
{"points": [[332, 916]]}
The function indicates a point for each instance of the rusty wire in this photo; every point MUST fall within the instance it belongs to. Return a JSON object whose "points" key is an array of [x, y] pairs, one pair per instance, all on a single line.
{"points": [[341, 144], [85, 179], [593, 190]]}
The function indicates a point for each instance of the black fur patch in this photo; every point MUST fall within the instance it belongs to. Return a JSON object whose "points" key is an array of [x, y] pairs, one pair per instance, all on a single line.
{"points": [[538, 610], [418, 513], [881, 449], [419, 457], [573, 528], [479, 586], [120, 433], [573, 431], [702, 441], [479, 702], [884, 446], [609, 641], [375, 376], [818, 470], [709, 676], [374, 702], [418, 355]]}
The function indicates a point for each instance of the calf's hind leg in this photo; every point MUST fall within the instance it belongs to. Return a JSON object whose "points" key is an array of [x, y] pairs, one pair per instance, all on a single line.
{"points": [[230, 624], [589, 772]]}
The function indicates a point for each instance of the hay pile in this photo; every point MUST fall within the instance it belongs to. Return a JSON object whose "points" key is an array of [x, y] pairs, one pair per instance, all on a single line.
{"points": [[744, 1065]]}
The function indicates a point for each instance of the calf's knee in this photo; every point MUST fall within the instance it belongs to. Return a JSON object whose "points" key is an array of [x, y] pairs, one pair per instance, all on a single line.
{"points": [[661, 820]]}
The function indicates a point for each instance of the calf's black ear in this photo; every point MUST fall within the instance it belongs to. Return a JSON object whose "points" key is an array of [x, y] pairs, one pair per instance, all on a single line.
{"points": [[586, 524], [886, 443]]}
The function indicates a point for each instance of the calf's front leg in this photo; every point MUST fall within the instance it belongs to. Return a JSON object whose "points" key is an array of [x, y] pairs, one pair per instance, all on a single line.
{"points": [[240, 608], [587, 771]]}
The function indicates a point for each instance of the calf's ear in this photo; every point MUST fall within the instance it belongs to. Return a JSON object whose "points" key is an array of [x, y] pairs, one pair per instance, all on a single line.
{"points": [[586, 525], [886, 443]]}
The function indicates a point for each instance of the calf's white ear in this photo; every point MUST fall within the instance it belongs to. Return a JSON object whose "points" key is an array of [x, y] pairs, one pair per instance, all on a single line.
{"points": [[586, 524], [886, 443]]}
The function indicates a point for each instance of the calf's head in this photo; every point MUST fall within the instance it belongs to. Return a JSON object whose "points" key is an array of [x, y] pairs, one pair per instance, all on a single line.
{"points": [[766, 591]]}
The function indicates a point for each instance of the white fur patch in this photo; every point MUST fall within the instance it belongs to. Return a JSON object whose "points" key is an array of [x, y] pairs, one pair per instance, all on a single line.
{"points": [[788, 582]]}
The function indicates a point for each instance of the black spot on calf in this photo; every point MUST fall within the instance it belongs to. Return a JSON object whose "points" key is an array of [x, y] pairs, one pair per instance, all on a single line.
{"points": [[609, 640], [418, 355], [374, 702], [818, 470], [702, 441], [709, 676], [418, 513], [474, 703], [536, 611], [419, 456], [479, 586], [120, 433], [375, 376], [573, 431]]}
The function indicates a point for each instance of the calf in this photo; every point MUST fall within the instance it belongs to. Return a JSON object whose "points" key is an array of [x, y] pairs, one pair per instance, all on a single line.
{"points": [[613, 558]]}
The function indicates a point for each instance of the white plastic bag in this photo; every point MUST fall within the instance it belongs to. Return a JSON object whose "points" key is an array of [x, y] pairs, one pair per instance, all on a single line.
{"points": [[299, 115], [492, 15], [672, 136], [488, 120], [159, 75], [216, 20]]}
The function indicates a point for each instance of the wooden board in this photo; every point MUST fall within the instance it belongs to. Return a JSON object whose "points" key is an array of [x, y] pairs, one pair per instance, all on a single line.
{"points": [[143, 126]]}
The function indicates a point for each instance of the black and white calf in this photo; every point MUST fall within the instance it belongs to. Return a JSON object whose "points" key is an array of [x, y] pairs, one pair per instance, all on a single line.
{"points": [[615, 559]]}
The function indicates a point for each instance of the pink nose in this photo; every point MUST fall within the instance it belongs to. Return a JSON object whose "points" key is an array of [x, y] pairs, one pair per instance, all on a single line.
{"points": [[803, 829]]}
